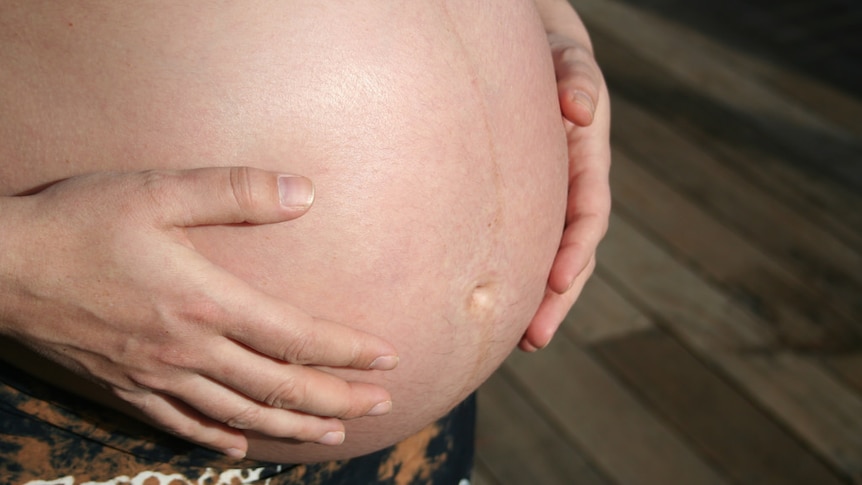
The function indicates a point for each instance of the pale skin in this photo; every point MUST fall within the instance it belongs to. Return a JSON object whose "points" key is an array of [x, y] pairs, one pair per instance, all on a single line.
{"points": [[175, 300], [186, 330], [585, 105]]}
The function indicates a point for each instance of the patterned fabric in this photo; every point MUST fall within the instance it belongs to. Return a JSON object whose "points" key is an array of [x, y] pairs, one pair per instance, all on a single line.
{"points": [[48, 436]]}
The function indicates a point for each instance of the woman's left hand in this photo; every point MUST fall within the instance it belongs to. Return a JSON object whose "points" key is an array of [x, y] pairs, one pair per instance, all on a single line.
{"points": [[586, 115]]}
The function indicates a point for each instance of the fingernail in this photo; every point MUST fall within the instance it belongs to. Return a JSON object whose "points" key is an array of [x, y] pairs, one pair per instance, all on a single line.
{"points": [[332, 438], [295, 192], [584, 100], [387, 362], [235, 453], [380, 409]]}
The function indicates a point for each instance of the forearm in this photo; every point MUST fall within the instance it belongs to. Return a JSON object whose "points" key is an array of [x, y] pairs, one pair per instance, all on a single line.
{"points": [[559, 17]]}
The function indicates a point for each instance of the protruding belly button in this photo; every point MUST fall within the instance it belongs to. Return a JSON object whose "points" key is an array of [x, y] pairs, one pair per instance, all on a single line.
{"points": [[482, 299]]}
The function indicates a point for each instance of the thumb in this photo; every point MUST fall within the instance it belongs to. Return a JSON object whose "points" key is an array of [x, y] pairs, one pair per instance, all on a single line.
{"points": [[229, 195]]}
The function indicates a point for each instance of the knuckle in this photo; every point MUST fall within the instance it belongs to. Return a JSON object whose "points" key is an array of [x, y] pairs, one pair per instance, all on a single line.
{"points": [[142, 400], [156, 190], [248, 417], [356, 349], [202, 311], [578, 53], [352, 410], [157, 186], [161, 361], [149, 381], [161, 374], [300, 349], [356, 356], [186, 429], [174, 358], [242, 187], [289, 394]]}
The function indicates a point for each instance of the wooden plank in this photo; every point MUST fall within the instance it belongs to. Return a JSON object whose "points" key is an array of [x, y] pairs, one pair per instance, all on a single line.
{"points": [[804, 317], [805, 395], [738, 437], [629, 444], [731, 338], [740, 153], [751, 37], [826, 263], [602, 313], [664, 288], [693, 87], [716, 69], [828, 102], [520, 447], [482, 474], [848, 367]]}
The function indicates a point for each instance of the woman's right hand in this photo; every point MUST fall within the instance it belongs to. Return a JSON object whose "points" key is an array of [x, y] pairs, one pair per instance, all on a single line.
{"points": [[97, 274]]}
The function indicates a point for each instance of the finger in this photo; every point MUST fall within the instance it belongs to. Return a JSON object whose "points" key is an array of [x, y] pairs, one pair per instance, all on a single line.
{"points": [[239, 412], [589, 203], [577, 106], [229, 195], [282, 331], [296, 387], [577, 247], [551, 312], [579, 80], [586, 225], [578, 87], [178, 419]]}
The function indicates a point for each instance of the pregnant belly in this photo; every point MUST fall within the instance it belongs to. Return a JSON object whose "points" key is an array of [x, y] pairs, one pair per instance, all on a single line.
{"points": [[431, 132]]}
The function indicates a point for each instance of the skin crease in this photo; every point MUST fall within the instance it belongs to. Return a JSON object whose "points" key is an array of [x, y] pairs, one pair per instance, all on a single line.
{"points": [[466, 200]]}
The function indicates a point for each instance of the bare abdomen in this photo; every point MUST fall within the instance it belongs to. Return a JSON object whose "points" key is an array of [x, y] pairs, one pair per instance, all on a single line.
{"points": [[433, 137]]}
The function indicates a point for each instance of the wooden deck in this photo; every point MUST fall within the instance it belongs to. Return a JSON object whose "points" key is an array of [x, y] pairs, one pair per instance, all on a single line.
{"points": [[720, 341]]}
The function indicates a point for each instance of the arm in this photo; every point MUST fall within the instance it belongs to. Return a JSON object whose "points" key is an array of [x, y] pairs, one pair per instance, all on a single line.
{"points": [[96, 274], [586, 112]]}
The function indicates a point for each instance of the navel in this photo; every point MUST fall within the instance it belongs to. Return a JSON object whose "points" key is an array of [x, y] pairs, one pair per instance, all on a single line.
{"points": [[482, 299]]}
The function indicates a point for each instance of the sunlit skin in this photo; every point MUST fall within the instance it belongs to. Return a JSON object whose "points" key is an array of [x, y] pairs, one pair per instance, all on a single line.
{"points": [[440, 221]]}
